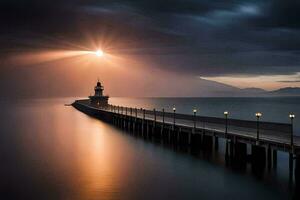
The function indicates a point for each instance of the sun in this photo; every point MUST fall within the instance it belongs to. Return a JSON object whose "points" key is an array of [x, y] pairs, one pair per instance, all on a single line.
{"points": [[99, 53]]}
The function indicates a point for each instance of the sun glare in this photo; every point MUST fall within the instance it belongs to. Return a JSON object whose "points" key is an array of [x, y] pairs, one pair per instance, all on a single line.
{"points": [[99, 53]]}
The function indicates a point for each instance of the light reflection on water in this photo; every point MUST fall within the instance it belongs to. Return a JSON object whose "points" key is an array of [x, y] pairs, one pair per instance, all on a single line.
{"points": [[51, 151]]}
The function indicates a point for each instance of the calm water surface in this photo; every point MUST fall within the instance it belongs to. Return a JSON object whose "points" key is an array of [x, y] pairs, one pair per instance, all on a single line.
{"points": [[52, 151]]}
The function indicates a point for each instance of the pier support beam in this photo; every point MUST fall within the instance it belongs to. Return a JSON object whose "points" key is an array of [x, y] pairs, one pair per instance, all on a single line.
{"points": [[147, 130], [133, 127], [241, 151], [178, 138], [258, 156], [274, 158], [269, 158], [231, 148], [190, 136], [227, 151], [258, 153], [169, 135], [162, 132], [143, 128], [297, 177], [207, 142], [291, 169], [216, 143], [240, 155]]}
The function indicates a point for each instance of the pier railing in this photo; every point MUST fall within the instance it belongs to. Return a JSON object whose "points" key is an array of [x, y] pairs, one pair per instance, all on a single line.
{"points": [[257, 130]]}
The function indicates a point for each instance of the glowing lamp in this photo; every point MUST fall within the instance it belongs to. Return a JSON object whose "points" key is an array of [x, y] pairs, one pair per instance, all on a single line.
{"points": [[292, 116], [258, 114]]}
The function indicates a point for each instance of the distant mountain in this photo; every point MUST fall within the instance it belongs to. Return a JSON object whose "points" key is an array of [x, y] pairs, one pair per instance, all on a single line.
{"points": [[218, 89], [288, 91], [253, 91], [230, 91]]}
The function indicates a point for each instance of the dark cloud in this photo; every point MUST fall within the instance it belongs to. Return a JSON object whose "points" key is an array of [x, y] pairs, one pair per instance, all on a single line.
{"points": [[192, 36], [280, 14]]}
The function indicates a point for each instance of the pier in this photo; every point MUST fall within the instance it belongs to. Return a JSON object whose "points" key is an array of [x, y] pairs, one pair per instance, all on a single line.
{"points": [[263, 138]]}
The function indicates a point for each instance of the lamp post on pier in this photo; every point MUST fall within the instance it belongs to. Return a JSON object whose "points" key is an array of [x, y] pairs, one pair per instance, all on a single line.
{"points": [[226, 113], [292, 116], [174, 112], [258, 115], [195, 118]]}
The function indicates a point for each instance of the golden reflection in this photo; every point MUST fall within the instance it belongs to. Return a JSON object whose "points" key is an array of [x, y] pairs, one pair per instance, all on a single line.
{"points": [[100, 163], [96, 164], [85, 154]]}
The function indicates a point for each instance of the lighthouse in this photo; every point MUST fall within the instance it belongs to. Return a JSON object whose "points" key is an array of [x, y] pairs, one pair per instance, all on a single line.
{"points": [[99, 89], [99, 99]]}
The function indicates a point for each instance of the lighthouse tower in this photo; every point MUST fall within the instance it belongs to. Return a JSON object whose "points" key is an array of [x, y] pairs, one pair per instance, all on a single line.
{"points": [[99, 99], [99, 89]]}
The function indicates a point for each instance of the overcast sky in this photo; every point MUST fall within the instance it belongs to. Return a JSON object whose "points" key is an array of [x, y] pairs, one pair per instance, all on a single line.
{"points": [[253, 43]]}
